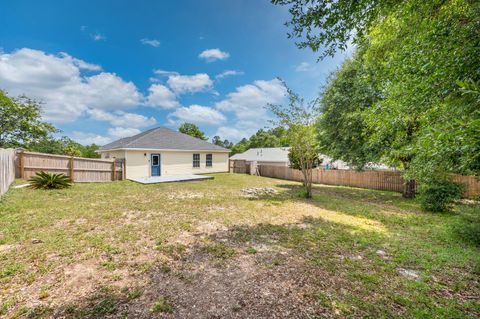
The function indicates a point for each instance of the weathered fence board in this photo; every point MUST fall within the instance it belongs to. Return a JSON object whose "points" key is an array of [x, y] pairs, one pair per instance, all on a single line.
{"points": [[239, 166], [7, 169], [381, 180], [79, 169]]}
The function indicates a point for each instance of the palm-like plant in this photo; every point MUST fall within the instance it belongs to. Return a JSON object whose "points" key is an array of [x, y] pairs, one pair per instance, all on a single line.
{"points": [[44, 180]]}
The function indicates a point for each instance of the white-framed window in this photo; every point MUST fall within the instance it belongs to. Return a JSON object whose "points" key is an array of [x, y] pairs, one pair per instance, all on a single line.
{"points": [[196, 160], [208, 160]]}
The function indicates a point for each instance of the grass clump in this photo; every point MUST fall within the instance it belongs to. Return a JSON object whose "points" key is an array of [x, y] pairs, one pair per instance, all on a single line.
{"points": [[220, 250], [161, 305]]}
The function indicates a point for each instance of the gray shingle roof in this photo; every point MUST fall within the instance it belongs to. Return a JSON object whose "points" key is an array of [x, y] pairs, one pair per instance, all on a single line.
{"points": [[163, 138]]}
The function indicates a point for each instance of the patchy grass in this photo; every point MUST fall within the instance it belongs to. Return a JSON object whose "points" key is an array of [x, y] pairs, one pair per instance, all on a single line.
{"points": [[116, 249], [162, 305]]}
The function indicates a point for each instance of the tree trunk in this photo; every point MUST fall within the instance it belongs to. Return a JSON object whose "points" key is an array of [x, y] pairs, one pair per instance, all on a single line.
{"points": [[409, 189]]}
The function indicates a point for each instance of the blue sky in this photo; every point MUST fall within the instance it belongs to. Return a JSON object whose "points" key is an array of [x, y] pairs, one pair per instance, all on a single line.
{"points": [[109, 69]]}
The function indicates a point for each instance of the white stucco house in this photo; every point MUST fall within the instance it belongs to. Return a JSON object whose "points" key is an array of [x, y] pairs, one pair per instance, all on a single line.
{"points": [[165, 152]]}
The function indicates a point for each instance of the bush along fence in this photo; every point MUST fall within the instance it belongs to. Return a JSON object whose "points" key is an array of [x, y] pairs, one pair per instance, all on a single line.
{"points": [[7, 169], [380, 180], [79, 169]]}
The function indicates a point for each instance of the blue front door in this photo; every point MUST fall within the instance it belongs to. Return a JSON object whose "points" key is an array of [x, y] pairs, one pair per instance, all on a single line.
{"points": [[155, 163]]}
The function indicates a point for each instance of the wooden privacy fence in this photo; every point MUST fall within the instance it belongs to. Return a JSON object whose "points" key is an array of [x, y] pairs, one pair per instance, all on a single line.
{"points": [[7, 169], [239, 166], [79, 169], [381, 180]]}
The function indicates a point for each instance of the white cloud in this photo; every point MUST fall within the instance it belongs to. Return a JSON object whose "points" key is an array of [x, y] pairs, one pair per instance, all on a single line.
{"points": [[190, 83], [98, 37], [211, 55], [230, 133], [121, 132], [120, 118], [90, 138], [249, 101], [226, 73], [153, 42], [164, 72], [109, 91], [196, 114], [161, 96], [80, 63], [304, 67], [59, 83]]}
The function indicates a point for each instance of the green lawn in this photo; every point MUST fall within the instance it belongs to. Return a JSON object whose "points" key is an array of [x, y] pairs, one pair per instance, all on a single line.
{"points": [[207, 250]]}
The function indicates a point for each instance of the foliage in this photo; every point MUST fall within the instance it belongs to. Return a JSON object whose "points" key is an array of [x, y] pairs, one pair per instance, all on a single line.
{"points": [[241, 146], [342, 130], [438, 194], [305, 137], [417, 69], [274, 137], [298, 120], [20, 121], [44, 180], [63, 146], [218, 141], [413, 82], [330, 25], [192, 130]]}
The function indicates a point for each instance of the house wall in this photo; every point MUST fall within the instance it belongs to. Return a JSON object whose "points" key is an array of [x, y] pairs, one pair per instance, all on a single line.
{"points": [[173, 163], [113, 154]]}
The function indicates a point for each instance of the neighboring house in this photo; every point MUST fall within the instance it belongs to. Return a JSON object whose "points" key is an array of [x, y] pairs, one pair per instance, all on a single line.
{"points": [[162, 151], [267, 156], [279, 156]]}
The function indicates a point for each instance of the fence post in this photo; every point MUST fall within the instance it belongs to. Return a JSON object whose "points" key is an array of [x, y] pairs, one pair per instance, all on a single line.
{"points": [[22, 165], [114, 167], [124, 169], [72, 177]]}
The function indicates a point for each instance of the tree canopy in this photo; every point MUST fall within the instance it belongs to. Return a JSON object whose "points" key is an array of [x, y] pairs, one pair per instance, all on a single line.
{"points": [[297, 120], [192, 130], [21, 122], [333, 25], [408, 96]]}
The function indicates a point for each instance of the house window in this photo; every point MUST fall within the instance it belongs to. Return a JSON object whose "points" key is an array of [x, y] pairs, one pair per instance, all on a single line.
{"points": [[208, 161], [196, 160]]}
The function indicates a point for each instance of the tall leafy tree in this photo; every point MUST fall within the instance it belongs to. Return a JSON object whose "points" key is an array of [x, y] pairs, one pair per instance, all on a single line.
{"points": [[223, 143], [192, 130], [414, 53], [63, 146], [21, 122], [298, 119], [241, 146], [342, 129]]}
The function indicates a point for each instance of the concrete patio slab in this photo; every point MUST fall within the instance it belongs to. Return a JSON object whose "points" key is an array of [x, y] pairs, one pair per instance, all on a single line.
{"points": [[170, 179]]}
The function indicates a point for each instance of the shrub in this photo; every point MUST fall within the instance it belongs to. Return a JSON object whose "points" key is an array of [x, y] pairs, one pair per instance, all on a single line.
{"points": [[43, 180], [439, 194]]}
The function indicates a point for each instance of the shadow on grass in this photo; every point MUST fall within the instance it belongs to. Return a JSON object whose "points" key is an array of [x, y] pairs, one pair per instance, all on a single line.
{"points": [[310, 268]]}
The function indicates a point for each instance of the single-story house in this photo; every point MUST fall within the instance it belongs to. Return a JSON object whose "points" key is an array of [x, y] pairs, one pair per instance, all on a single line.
{"points": [[278, 156], [163, 152]]}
